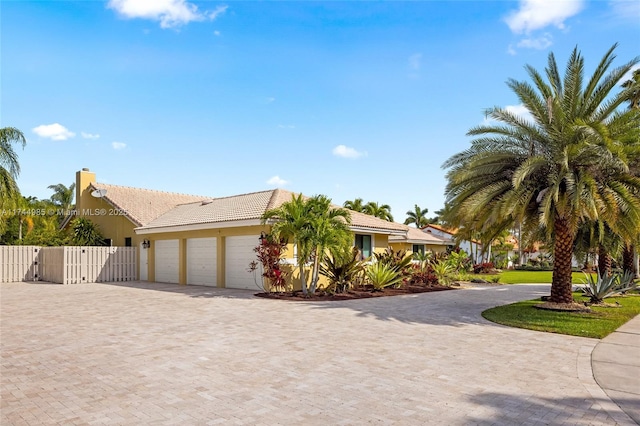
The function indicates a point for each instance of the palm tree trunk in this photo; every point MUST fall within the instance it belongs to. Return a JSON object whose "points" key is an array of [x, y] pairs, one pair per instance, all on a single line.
{"points": [[628, 257], [563, 252], [303, 280], [604, 261], [315, 273]]}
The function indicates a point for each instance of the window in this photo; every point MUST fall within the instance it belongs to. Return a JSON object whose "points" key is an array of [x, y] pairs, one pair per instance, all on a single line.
{"points": [[107, 242], [127, 242], [418, 248], [363, 243]]}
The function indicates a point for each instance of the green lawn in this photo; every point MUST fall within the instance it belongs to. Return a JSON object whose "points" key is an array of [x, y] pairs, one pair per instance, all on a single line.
{"points": [[597, 324], [530, 277]]}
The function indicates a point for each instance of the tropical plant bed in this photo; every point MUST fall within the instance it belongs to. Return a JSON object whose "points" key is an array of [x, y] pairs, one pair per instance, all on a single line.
{"points": [[356, 293]]}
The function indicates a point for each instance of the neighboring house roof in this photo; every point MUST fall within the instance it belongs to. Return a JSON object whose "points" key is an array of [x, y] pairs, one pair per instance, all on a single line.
{"points": [[143, 205], [451, 232], [250, 207], [417, 236]]}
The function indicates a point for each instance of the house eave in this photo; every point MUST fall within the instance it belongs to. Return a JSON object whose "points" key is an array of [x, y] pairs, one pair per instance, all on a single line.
{"points": [[197, 226]]}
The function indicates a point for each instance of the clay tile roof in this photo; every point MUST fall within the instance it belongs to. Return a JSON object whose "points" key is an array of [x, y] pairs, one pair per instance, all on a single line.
{"points": [[251, 206], [418, 236], [213, 210], [143, 205]]}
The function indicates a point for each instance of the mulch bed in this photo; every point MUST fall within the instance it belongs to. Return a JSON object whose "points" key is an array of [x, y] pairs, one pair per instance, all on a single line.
{"points": [[563, 307], [357, 293]]}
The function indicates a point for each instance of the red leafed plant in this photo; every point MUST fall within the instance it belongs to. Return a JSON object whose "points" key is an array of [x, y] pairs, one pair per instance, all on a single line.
{"points": [[269, 253]]}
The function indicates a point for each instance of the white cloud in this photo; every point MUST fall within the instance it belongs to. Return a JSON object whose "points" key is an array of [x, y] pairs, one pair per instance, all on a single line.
{"points": [[216, 33], [170, 13], [347, 152], [539, 43], [518, 110], [511, 51], [55, 131], [538, 14], [277, 181], [626, 9], [415, 61], [89, 135], [118, 145]]}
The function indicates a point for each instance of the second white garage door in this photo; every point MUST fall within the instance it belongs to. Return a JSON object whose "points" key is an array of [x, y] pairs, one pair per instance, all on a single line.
{"points": [[239, 254], [167, 261], [201, 261]]}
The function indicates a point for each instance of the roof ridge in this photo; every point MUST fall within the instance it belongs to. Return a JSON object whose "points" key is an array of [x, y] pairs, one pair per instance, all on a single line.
{"points": [[146, 189]]}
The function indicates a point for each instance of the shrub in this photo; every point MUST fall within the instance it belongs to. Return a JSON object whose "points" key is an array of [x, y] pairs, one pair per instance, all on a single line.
{"points": [[483, 268], [442, 269], [426, 278], [380, 275], [395, 260], [604, 286], [269, 253], [342, 271]]}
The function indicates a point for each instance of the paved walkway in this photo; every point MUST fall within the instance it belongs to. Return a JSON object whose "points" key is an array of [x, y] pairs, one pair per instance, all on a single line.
{"points": [[616, 367], [139, 353]]}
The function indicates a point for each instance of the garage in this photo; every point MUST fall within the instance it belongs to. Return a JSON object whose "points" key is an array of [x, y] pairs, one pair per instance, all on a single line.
{"points": [[239, 254], [167, 261], [201, 261]]}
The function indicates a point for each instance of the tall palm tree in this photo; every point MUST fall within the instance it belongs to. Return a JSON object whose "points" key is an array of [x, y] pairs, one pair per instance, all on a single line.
{"points": [[380, 211], [632, 87], [63, 196], [566, 167], [629, 256], [9, 166], [356, 205], [418, 217]]}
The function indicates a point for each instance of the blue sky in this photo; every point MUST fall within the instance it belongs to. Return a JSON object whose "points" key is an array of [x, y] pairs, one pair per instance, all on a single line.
{"points": [[348, 99]]}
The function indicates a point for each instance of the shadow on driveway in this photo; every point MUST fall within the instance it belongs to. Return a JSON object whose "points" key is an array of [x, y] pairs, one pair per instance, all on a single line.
{"points": [[454, 308]]}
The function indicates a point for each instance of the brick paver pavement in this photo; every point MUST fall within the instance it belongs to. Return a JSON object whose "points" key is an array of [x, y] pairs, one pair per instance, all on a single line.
{"points": [[140, 353]]}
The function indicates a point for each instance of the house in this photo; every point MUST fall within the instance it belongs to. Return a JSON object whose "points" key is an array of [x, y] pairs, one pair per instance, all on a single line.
{"points": [[472, 248], [200, 240], [416, 240]]}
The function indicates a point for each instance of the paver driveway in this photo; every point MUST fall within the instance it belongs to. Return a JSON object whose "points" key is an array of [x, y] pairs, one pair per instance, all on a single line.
{"points": [[140, 353]]}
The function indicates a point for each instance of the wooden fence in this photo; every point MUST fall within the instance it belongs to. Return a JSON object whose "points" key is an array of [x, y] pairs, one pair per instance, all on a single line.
{"points": [[19, 263], [67, 265]]}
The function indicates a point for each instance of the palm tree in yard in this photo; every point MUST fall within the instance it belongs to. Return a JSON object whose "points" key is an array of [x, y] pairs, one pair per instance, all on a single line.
{"points": [[381, 211], [418, 217], [314, 227], [329, 233], [9, 166], [356, 205], [62, 195], [629, 257], [568, 166]]}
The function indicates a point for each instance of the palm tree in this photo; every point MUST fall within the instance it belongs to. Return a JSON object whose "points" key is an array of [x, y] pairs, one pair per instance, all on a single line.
{"points": [[86, 233], [9, 166], [566, 167], [380, 211], [632, 87], [63, 196], [329, 232], [356, 205], [418, 217], [629, 257], [291, 222]]}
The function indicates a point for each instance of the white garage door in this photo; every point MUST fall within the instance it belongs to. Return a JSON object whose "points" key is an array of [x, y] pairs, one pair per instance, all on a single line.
{"points": [[201, 261], [167, 261], [239, 254]]}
